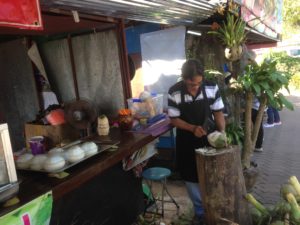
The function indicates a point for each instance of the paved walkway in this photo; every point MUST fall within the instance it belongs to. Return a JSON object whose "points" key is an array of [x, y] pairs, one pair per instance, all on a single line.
{"points": [[281, 156]]}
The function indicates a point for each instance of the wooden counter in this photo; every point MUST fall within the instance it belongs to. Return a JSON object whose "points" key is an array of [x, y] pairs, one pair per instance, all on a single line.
{"points": [[34, 184]]}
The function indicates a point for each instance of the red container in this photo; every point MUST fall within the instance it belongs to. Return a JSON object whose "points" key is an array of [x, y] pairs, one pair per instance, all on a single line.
{"points": [[56, 117]]}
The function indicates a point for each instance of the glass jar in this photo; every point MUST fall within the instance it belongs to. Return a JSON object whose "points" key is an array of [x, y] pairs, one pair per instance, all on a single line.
{"points": [[125, 122]]}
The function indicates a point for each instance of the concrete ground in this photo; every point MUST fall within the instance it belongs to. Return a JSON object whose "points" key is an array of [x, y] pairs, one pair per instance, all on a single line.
{"points": [[171, 215], [176, 188], [281, 155], [279, 160]]}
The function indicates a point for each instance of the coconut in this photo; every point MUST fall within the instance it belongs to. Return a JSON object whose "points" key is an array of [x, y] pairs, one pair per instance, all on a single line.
{"points": [[55, 151], [53, 163], [103, 126], [89, 148], [23, 162], [38, 161], [74, 154], [217, 139], [144, 95]]}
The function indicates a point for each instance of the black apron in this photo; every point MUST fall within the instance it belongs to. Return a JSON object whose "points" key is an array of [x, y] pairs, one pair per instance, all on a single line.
{"points": [[186, 142]]}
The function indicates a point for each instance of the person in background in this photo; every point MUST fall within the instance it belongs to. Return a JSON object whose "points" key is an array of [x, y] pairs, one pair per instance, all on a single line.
{"points": [[273, 117], [260, 136], [187, 110]]}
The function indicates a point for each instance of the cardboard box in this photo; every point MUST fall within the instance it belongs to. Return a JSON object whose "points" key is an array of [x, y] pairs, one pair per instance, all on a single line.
{"points": [[54, 134]]}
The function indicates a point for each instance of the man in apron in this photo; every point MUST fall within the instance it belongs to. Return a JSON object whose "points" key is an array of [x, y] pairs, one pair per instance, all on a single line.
{"points": [[189, 100]]}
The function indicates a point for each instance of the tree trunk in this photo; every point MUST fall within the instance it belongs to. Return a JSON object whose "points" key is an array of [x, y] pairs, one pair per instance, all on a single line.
{"points": [[248, 146], [258, 119], [237, 108], [222, 187]]}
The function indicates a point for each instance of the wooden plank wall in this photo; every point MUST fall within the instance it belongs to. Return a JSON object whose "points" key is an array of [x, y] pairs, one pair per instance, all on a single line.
{"points": [[18, 98]]}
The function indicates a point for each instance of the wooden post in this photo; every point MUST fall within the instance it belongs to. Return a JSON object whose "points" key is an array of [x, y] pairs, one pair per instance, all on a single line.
{"points": [[222, 186], [123, 57]]}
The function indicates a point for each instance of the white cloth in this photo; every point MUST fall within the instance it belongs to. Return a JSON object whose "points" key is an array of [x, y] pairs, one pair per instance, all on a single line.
{"points": [[35, 57], [163, 53], [49, 98], [256, 104]]}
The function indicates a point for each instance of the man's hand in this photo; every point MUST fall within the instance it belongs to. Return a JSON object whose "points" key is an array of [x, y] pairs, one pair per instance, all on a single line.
{"points": [[199, 131]]}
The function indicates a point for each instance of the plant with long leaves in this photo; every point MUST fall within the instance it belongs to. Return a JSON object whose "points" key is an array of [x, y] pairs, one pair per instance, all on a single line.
{"points": [[232, 32], [263, 81], [234, 134]]}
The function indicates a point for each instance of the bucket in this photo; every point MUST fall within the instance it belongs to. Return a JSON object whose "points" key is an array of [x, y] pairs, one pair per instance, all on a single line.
{"points": [[37, 145], [56, 117]]}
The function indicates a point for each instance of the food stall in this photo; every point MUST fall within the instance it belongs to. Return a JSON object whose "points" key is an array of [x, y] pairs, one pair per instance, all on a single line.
{"points": [[83, 51], [97, 189]]}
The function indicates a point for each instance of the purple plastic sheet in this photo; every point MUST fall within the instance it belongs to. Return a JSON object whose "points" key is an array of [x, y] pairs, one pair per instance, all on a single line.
{"points": [[157, 128]]}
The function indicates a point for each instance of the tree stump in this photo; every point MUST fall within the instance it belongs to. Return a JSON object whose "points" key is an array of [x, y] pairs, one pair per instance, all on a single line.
{"points": [[222, 186]]}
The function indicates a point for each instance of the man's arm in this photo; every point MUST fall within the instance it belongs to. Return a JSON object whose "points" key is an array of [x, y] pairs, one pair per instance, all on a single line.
{"points": [[220, 120], [198, 131]]}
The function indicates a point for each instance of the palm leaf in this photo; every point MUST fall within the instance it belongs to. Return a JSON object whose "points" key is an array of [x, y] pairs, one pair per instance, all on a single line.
{"points": [[232, 32]]}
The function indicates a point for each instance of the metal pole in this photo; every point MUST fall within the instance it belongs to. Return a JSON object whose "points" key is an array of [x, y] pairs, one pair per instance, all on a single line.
{"points": [[73, 67]]}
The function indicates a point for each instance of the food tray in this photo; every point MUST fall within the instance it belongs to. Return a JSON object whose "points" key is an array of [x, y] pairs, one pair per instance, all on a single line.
{"points": [[101, 148]]}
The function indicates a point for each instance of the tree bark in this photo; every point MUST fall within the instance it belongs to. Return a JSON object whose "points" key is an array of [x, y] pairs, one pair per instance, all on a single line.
{"points": [[237, 108], [248, 146], [222, 187]]}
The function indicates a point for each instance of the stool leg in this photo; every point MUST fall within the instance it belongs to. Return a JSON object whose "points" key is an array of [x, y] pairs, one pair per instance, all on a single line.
{"points": [[149, 197], [172, 199], [174, 147], [154, 199], [162, 197]]}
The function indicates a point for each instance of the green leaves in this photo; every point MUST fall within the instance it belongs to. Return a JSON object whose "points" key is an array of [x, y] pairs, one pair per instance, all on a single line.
{"points": [[234, 134], [291, 18], [283, 101], [257, 89], [232, 32], [266, 80]]}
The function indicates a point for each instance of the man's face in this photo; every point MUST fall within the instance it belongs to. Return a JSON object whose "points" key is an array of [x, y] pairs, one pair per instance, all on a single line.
{"points": [[193, 84]]}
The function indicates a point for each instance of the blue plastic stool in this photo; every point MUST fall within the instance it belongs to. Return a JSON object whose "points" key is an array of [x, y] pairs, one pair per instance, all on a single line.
{"points": [[159, 174]]}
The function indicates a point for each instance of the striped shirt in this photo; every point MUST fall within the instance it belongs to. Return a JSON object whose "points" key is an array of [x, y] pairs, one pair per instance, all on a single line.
{"points": [[174, 97]]}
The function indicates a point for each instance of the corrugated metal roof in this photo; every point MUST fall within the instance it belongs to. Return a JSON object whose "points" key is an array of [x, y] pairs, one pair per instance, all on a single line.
{"points": [[158, 11]]}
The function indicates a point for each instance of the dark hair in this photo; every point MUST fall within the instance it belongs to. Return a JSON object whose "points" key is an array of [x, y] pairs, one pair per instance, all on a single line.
{"points": [[192, 68]]}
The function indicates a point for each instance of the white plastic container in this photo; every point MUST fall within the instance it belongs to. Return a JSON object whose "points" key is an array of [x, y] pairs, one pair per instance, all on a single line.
{"points": [[146, 109]]}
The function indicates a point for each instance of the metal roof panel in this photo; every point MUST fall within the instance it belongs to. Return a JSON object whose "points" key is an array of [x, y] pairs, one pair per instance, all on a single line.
{"points": [[183, 12]]}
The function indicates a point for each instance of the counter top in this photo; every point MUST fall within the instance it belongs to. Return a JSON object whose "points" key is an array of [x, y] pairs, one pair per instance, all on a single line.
{"points": [[34, 184]]}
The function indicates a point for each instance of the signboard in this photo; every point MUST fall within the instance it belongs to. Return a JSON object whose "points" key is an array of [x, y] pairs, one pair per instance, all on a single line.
{"points": [[264, 16], [36, 212], [24, 14]]}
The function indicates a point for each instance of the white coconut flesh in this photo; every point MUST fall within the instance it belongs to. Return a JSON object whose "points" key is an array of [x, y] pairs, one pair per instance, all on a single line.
{"points": [[37, 163], [74, 154], [89, 148], [54, 162], [23, 162]]}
